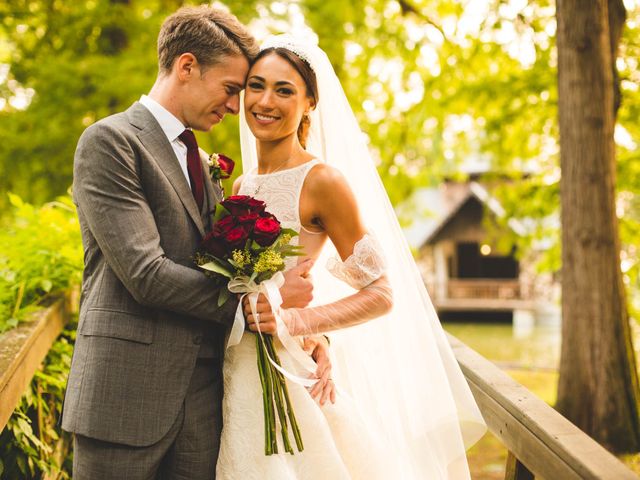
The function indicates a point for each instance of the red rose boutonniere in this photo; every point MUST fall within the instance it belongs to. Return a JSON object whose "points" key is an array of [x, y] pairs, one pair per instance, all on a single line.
{"points": [[220, 166]]}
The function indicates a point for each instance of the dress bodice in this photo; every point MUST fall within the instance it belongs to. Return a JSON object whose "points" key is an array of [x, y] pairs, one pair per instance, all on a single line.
{"points": [[281, 193]]}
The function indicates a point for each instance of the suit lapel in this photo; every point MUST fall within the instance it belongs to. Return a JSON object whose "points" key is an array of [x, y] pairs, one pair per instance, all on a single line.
{"points": [[212, 191], [157, 144]]}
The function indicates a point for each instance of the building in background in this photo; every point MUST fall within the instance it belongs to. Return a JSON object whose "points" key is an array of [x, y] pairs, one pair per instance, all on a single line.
{"points": [[453, 235]]}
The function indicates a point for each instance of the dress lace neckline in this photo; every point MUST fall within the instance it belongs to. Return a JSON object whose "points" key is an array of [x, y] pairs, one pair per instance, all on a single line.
{"points": [[271, 174]]}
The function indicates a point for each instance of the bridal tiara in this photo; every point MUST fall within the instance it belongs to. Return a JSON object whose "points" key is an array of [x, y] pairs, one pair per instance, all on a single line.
{"points": [[288, 44]]}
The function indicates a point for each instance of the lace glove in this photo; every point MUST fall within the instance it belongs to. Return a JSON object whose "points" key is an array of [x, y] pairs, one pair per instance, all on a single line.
{"points": [[364, 270]]}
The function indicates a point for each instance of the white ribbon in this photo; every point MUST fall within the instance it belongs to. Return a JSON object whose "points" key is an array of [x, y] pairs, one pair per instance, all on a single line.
{"points": [[271, 290]]}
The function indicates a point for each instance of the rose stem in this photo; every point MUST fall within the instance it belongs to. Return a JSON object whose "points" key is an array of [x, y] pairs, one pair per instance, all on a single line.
{"points": [[292, 416], [269, 382], [279, 380], [261, 373]]}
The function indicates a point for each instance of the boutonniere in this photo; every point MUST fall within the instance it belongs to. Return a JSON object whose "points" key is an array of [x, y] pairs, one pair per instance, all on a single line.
{"points": [[220, 166]]}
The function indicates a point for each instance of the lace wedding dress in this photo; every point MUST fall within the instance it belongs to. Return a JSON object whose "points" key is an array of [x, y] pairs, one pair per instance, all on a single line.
{"points": [[338, 442]]}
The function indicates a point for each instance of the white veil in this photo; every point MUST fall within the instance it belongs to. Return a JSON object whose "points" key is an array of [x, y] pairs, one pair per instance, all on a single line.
{"points": [[399, 368]]}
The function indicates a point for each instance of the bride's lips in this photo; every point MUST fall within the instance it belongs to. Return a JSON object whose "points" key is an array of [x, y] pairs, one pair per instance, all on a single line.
{"points": [[265, 119]]}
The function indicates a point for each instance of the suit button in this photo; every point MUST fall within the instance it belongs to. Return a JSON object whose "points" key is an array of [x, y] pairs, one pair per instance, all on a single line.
{"points": [[197, 339]]}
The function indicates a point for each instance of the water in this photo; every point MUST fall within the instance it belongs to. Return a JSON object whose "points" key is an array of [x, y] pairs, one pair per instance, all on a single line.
{"points": [[522, 347]]}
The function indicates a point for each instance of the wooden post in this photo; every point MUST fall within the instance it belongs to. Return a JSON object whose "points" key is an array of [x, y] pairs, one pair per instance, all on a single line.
{"points": [[516, 470]]}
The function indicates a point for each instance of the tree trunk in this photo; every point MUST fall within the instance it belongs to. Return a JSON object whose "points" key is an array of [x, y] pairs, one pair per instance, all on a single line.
{"points": [[598, 386]]}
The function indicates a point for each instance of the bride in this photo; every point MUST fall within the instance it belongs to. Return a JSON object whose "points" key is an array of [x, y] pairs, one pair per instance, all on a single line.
{"points": [[403, 408]]}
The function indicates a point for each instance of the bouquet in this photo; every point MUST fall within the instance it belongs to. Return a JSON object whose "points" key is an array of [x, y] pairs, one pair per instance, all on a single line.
{"points": [[246, 247]]}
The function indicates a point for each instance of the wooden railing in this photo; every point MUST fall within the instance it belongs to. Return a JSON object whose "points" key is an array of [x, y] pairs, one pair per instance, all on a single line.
{"points": [[481, 288], [541, 442], [480, 294], [23, 348]]}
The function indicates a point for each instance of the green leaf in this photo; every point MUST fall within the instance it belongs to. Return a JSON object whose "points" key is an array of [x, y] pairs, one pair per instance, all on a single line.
{"points": [[22, 465], [223, 296], [215, 266], [219, 213], [46, 285], [15, 200]]}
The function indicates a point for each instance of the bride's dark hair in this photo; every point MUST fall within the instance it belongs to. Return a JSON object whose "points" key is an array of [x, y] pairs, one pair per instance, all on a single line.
{"points": [[309, 77]]}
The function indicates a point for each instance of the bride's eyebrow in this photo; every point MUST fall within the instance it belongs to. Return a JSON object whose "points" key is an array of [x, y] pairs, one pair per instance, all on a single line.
{"points": [[278, 83]]}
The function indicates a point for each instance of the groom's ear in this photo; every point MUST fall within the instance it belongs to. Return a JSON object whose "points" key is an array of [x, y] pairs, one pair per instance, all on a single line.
{"points": [[185, 66]]}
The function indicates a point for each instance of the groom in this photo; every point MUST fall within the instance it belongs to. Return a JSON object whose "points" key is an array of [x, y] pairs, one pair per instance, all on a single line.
{"points": [[145, 387]]}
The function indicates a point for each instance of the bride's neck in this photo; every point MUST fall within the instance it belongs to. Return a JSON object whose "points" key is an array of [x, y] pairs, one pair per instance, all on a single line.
{"points": [[280, 154]]}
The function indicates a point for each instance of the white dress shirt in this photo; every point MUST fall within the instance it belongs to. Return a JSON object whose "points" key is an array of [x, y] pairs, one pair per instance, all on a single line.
{"points": [[172, 128]]}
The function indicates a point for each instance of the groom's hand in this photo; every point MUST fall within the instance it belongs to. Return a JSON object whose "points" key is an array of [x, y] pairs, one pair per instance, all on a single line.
{"points": [[318, 347]]}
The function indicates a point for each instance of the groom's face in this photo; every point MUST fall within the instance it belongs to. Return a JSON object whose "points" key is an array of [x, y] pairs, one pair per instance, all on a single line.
{"points": [[209, 93]]}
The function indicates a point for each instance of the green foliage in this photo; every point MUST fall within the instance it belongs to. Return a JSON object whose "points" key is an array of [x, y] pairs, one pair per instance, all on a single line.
{"points": [[83, 61], [628, 180], [40, 253], [72, 56], [33, 444]]}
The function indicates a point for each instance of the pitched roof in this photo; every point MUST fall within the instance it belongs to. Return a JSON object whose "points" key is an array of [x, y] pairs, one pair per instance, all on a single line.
{"points": [[433, 208]]}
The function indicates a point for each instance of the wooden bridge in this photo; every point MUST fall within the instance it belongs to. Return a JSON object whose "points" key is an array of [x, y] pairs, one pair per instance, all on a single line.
{"points": [[541, 442]]}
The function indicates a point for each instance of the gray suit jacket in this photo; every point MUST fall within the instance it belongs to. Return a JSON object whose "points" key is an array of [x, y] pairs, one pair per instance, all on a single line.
{"points": [[145, 307]]}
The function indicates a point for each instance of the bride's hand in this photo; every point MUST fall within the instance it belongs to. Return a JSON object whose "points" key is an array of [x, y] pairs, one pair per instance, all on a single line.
{"points": [[297, 290], [318, 347], [265, 317]]}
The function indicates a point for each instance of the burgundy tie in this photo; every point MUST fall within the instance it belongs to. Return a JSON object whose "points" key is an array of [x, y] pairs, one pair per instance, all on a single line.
{"points": [[194, 166]]}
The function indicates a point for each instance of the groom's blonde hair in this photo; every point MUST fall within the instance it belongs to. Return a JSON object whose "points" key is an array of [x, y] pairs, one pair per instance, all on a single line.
{"points": [[208, 33]]}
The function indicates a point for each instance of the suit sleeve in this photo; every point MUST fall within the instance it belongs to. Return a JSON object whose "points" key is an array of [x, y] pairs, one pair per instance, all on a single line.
{"points": [[110, 197]]}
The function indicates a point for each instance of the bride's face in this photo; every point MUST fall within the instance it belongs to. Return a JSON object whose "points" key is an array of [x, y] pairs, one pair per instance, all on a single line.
{"points": [[275, 98]]}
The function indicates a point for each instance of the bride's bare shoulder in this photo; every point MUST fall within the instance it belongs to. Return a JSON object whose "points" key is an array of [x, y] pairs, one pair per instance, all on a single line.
{"points": [[236, 185], [323, 179]]}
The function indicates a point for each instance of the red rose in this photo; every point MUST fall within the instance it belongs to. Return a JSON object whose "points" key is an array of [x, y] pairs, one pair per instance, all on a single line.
{"points": [[248, 221], [266, 230], [226, 166], [248, 218], [213, 245], [242, 205], [237, 237], [223, 226], [256, 206]]}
